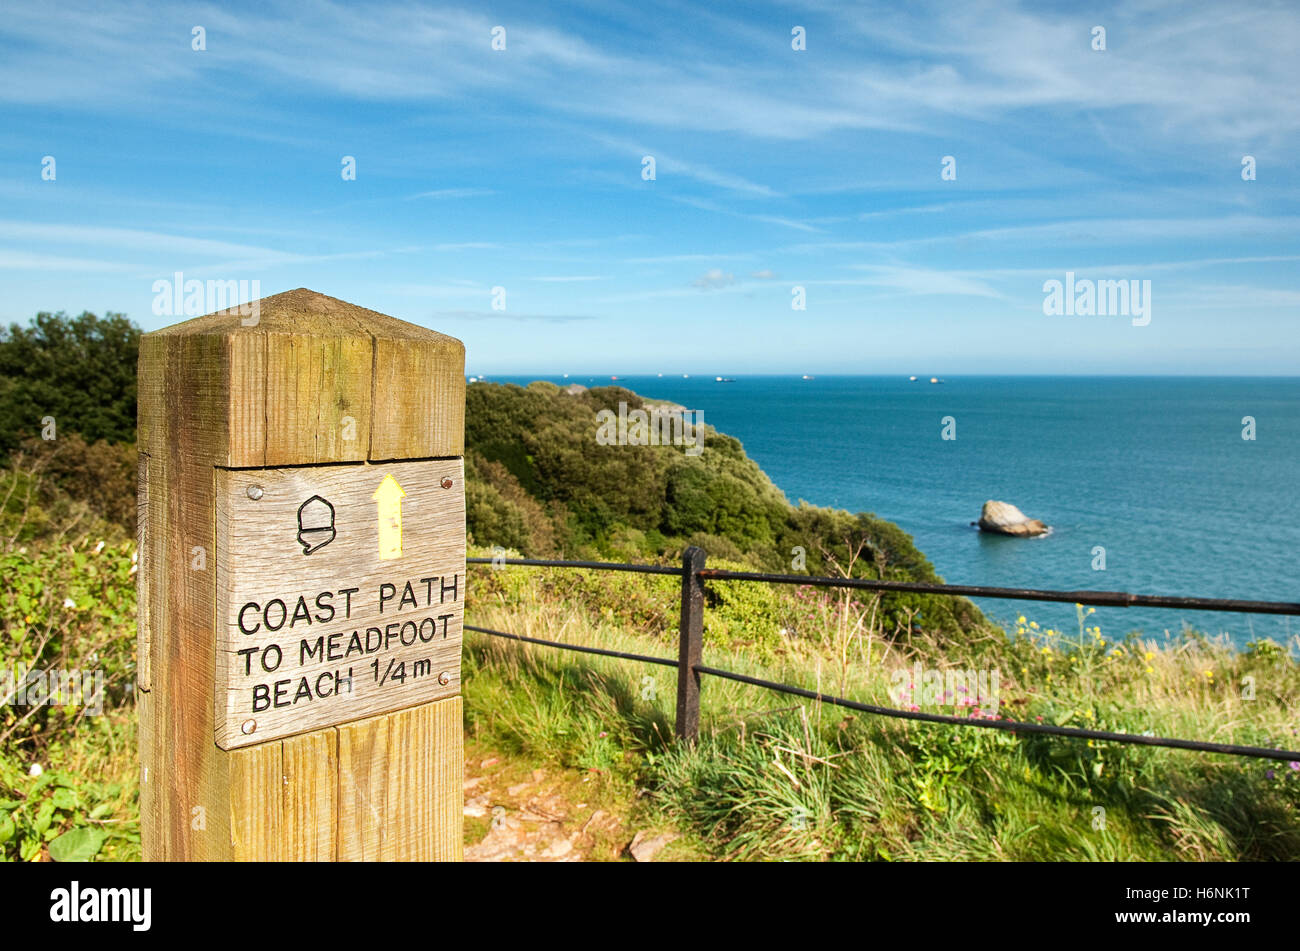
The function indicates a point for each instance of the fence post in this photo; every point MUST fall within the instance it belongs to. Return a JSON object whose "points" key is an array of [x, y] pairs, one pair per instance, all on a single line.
{"points": [[301, 513], [690, 643]]}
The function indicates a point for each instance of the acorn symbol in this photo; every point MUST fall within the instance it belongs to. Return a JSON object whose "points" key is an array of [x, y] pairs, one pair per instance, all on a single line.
{"points": [[315, 524]]}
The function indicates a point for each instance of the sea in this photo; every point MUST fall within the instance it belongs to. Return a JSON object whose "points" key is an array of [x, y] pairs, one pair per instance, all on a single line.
{"points": [[1150, 485]]}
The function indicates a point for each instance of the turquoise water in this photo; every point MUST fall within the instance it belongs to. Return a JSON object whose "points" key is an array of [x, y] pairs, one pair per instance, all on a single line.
{"points": [[1154, 470]]}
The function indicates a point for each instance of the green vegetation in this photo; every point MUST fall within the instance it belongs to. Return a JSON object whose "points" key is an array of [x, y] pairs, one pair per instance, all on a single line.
{"points": [[80, 371], [538, 482], [772, 777], [775, 777]]}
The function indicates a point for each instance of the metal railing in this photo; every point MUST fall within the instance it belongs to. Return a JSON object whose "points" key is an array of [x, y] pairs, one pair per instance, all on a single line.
{"points": [[691, 640]]}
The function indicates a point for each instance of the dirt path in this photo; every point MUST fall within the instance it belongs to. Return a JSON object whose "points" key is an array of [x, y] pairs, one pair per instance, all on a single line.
{"points": [[513, 814]]}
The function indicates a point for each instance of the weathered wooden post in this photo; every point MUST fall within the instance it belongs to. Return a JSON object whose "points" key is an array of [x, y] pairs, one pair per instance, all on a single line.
{"points": [[301, 585], [690, 645]]}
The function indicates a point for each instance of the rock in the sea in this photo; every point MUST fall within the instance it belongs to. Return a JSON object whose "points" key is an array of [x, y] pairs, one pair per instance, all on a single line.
{"points": [[1006, 519]]}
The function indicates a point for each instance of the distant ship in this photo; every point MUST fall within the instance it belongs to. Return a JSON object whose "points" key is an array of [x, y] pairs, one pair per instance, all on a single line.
{"points": [[935, 379], [807, 377], [912, 379], [722, 379]]}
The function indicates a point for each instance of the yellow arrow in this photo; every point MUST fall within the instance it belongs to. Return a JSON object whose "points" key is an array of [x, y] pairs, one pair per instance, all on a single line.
{"points": [[388, 498]]}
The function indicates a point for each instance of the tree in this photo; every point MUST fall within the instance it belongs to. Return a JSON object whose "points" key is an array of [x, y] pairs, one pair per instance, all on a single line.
{"points": [[80, 371]]}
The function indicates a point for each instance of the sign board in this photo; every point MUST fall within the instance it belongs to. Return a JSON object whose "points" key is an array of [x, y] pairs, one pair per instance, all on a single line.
{"points": [[340, 594]]}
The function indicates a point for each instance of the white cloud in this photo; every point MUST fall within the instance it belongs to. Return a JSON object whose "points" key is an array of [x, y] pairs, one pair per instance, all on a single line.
{"points": [[713, 279], [443, 193]]}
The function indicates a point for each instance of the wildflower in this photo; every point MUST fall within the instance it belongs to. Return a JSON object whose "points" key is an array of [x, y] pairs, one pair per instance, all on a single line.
{"points": [[1020, 630], [1150, 671], [602, 734], [1050, 632], [1268, 774], [99, 548], [1039, 718], [35, 770], [1091, 611], [1209, 674], [1034, 625], [1295, 765], [1148, 655], [1021, 619], [69, 603], [1046, 649]]}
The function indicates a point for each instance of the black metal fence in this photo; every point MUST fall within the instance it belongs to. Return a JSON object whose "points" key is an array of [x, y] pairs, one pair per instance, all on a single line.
{"points": [[691, 639]]}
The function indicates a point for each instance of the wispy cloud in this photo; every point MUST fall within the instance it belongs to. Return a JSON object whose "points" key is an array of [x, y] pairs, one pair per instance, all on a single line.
{"points": [[482, 315], [443, 193], [713, 279]]}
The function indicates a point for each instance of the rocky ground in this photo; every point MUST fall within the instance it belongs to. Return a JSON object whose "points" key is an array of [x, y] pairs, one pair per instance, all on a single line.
{"points": [[513, 814]]}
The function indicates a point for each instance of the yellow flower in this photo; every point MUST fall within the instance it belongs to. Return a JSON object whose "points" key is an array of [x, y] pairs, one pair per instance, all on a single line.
{"points": [[1092, 610], [1020, 630], [1148, 655], [1050, 632], [1150, 671], [1209, 674], [1047, 650], [1034, 625], [1021, 619]]}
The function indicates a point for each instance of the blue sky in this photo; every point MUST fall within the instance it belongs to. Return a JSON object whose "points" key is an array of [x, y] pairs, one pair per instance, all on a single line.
{"points": [[775, 168]]}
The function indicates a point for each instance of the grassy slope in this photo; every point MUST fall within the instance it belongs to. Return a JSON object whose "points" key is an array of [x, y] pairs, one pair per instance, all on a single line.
{"points": [[771, 778], [775, 777]]}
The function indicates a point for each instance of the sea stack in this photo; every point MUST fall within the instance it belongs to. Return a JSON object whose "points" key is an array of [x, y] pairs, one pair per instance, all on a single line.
{"points": [[1005, 519]]}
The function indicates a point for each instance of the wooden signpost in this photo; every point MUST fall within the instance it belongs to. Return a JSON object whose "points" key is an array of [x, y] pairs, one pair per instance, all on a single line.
{"points": [[301, 586]]}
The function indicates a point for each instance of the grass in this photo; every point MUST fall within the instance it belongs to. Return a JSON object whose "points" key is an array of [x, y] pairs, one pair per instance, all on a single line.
{"points": [[772, 779]]}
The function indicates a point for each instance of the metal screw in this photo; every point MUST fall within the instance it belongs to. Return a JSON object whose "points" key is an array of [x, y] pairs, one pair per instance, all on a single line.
{"points": [[446, 483], [254, 493], [444, 678], [248, 726]]}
